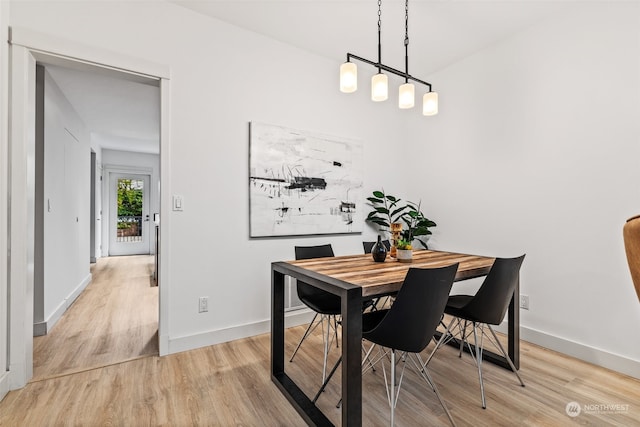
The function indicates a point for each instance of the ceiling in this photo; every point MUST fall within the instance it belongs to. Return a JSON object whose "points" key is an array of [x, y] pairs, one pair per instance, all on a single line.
{"points": [[441, 32], [121, 112], [124, 114]]}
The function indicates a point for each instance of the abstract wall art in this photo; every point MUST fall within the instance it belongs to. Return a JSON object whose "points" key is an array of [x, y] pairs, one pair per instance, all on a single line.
{"points": [[303, 183]]}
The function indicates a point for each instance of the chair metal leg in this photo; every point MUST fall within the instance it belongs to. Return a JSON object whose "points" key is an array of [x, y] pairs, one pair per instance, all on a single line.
{"points": [[306, 333], [325, 382], [463, 336], [392, 394], [504, 353], [366, 359], [441, 341], [479, 363]]}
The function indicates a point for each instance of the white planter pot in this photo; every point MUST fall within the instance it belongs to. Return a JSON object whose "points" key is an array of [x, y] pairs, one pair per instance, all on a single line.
{"points": [[404, 255]]}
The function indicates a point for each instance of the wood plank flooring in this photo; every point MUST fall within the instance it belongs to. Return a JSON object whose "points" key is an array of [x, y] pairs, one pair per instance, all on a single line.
{"points": [[229, 384], [113, 320]]}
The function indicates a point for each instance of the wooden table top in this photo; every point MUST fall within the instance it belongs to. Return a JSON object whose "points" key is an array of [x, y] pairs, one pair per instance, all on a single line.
{"points": [[378, 278]]}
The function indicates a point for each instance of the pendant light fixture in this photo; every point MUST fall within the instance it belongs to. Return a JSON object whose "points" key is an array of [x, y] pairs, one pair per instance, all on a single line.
{"points": [[379, 82]]}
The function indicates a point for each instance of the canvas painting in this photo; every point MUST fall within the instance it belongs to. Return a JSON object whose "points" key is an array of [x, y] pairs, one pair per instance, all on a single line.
{"points": [[303, 183]]}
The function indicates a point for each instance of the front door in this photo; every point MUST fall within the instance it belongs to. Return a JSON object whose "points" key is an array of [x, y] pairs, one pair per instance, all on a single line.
{"points": [[128, 214]]}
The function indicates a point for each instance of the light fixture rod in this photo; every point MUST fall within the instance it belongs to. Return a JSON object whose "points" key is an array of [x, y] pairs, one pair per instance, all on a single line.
{"points": [[406, 39], [379, 33], [399, 73]]}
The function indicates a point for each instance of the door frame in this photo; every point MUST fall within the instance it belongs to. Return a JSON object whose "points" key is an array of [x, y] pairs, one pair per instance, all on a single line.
{"points": [[25, 48]]}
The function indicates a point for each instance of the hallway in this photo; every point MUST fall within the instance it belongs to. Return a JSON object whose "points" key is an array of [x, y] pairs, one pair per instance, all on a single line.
{"points": [[114, 320]]}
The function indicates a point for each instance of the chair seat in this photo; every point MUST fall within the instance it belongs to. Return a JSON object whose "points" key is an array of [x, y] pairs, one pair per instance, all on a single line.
{"points": [[325, 303], [456, 304]]}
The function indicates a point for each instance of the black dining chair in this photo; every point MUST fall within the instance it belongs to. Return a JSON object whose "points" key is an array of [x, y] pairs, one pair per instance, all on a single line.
{"points": [[487, 307], [407, 327], [324, 304], [368, 246]]}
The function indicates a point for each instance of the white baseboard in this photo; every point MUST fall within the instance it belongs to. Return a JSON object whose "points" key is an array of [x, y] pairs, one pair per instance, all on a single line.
{"points": [[593, 355], [4, 384], [43, 328], [190, 342]]}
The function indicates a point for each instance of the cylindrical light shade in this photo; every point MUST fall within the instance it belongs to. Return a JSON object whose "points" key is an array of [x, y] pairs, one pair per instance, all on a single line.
{"points": [[406, 96], [430, 104], [379, 87], [348, 77]]}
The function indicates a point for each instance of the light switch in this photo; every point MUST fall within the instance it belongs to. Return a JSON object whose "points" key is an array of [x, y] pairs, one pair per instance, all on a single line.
{"points": [[178, 203]]}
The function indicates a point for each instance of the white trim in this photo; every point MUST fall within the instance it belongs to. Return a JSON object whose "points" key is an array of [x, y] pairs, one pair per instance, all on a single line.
{"points": [[43, 328], [140, 170], [165, 219], [584, 352], [25, 45], [191, 342], [40, 43], [4, 384], [4, 193], [21, 215]]}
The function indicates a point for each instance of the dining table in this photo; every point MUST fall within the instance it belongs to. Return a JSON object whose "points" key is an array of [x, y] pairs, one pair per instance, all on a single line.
{"points": [[357, 278]]}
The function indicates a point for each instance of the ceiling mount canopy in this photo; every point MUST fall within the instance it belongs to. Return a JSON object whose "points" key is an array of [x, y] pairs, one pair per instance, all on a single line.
{"points": [[379, 82]]}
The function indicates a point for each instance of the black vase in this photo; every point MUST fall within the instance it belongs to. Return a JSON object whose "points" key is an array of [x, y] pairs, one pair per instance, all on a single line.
{"points": [[379, 251]]}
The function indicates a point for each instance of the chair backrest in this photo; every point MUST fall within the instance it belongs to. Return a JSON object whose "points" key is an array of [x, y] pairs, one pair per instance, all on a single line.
{"points": [[490, 303], [412, 320], [631, 235], [308, 252], [305, 291], [368, 246]]}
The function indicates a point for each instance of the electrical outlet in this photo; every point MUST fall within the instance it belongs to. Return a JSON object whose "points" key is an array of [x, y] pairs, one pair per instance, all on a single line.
{"points": [[524, 302], [203, 305]]}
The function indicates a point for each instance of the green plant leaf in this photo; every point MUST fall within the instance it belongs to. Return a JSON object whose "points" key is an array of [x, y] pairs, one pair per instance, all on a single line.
{"points": [[392, 199], [379, 194], [397, 211], [423, 243], [374, 200], [382, 210], [380, 222]]}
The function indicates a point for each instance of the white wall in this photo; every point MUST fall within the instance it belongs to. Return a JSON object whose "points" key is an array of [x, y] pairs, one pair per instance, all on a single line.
{"points": [[114, 160], [535, 151], [222, 77], [66, 209]]}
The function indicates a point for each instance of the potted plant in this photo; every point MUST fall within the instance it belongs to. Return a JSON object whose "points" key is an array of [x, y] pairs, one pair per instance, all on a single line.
{"points": [[388, 213], [404, 251]]}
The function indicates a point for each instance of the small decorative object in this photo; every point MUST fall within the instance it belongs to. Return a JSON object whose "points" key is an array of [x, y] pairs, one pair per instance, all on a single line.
{"points": [[404, 252], [396, 231], [379, 251]]}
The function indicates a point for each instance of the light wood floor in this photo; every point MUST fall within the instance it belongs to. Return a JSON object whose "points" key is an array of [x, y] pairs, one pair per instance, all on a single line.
{"points": [[229, 384], [113, 320]]}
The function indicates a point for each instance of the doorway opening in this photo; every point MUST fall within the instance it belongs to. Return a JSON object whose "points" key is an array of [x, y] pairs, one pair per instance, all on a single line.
{"points": [[108, 312]]}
